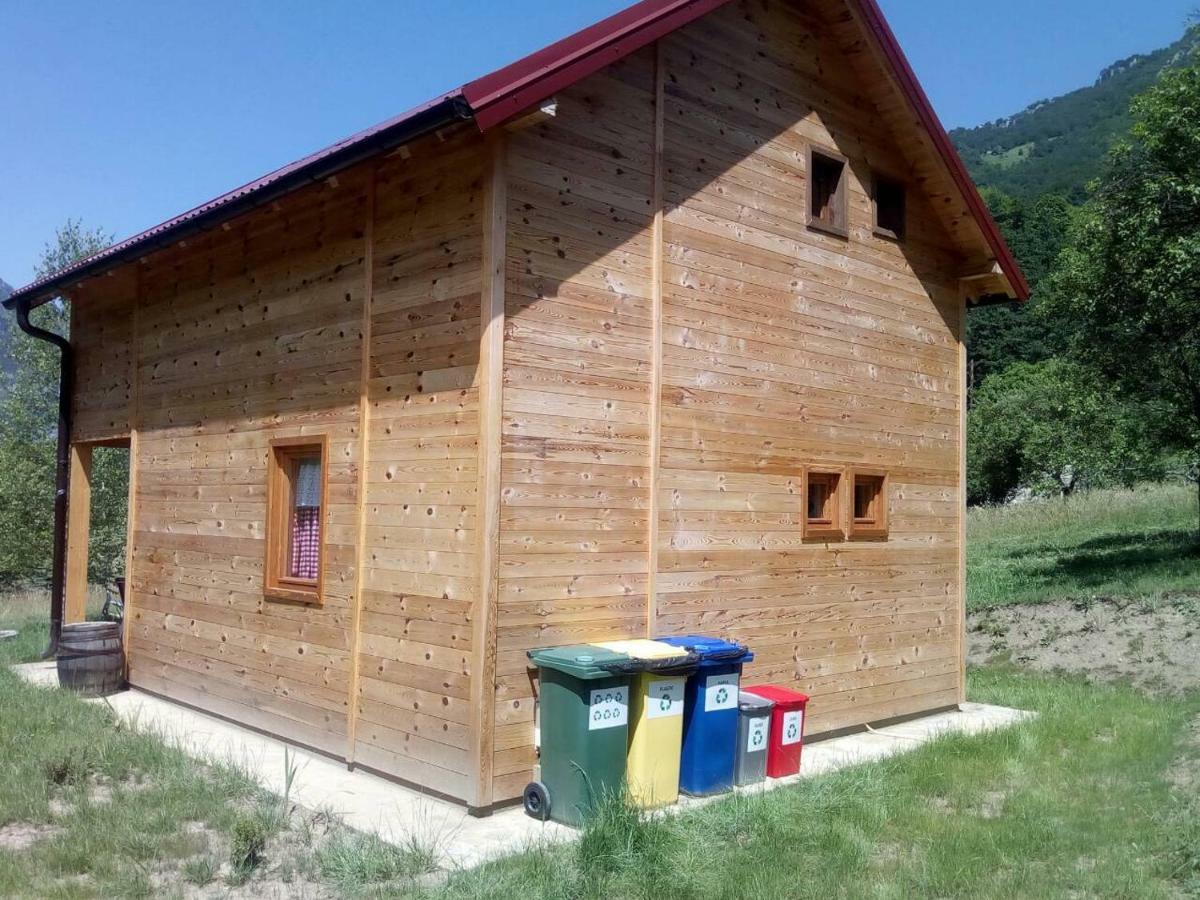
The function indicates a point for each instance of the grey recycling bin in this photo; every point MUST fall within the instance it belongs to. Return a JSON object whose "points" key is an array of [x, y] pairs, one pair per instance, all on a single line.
{"points": [[753, 736]]}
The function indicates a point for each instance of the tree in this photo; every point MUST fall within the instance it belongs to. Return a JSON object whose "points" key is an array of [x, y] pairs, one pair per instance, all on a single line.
{"points": [[1051, 427], [999, 336], [28, 419], [1130, 279]]}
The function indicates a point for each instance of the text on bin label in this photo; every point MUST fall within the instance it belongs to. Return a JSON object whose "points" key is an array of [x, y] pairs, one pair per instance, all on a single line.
{"points": [[793, 727], [608, 708], [721, 692], [664, 697]]}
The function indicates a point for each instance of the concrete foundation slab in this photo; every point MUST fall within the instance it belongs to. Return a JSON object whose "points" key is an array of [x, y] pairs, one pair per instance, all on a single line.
{"points": [[398, 813]]}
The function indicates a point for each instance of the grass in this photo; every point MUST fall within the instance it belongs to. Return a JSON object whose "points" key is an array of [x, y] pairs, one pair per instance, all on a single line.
{"points": [[1123, 544], [110, 812], [1077, 803], [1087, 800]]}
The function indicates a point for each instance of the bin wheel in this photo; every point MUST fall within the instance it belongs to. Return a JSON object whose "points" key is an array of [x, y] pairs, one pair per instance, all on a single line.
{"points": [[537, 801]]}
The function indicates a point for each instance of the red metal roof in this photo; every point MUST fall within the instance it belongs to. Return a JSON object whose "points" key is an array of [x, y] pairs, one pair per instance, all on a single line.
{"points": [[492, 99]]}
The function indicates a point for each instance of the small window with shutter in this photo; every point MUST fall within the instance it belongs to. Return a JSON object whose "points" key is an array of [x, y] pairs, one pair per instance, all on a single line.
{"points": [[889, 202], [822, 513], [296, 501], [869, 505], [828, 207]]}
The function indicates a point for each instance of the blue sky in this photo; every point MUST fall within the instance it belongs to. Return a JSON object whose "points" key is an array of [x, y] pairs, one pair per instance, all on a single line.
{"points": [[124, 114]]}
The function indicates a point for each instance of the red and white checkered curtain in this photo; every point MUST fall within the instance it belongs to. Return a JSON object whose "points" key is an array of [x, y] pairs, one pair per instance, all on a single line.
{"points": [[306, 541]]}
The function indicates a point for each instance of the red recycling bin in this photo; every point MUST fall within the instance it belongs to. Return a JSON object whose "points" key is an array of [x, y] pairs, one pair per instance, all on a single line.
{"points": [[787, 728]]}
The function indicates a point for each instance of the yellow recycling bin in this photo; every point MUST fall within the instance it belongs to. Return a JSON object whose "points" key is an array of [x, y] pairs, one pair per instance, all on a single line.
{"points": [[655, 719]]}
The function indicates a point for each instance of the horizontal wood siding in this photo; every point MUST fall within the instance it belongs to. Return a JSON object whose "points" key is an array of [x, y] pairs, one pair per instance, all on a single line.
{"points": [[420, 584], [246, 335], [785, 347], [576, 404], [102, 345]]}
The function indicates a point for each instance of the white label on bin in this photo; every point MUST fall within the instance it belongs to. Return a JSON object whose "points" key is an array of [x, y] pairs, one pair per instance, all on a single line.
{"points": [[756, 735], [609, 708], [664, 697], [793, 727], [721, 692]]}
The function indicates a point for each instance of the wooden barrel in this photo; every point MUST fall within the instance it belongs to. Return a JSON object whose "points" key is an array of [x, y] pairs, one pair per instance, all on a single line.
{"points": [[91, 660]]}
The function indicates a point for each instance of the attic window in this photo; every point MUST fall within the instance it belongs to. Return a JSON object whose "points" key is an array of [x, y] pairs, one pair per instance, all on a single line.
{"points": [[869, 503], [889, 201], [827, 201], [822, 506], [296, 501]]}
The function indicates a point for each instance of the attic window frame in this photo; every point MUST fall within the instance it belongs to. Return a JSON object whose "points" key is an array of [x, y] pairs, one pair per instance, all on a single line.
{"points": [[839, 224], [878, 179], [873, 527], [830, 527], [282, 455]]}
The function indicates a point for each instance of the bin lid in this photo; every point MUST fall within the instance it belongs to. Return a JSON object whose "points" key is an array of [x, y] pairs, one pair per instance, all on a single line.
{"points": [[585, 661], [752, 703], [783, 697], [711, 649], [655, 656]]}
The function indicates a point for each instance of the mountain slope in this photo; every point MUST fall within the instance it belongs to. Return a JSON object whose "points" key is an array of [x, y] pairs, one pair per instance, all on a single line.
{"points": [[1058, 145]]}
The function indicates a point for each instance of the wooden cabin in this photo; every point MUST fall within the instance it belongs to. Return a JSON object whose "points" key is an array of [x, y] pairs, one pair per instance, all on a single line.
{"points": [[659, 330]]}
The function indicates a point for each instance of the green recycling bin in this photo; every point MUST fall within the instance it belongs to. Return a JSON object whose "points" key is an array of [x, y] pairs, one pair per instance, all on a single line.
{"points": [[583, 714]]}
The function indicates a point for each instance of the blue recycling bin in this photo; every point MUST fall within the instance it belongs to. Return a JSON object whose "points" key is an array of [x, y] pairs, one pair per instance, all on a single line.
{"points": [[710, 714]]}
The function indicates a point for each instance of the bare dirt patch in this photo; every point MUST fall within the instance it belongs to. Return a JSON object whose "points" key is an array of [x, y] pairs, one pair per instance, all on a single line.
{"points": [[1154, 646], [17, 836]]}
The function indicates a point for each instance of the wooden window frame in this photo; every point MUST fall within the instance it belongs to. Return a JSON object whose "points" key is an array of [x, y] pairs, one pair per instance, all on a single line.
{"points": [[839, 225], [874, 528], [878, 178], [277, 585], [829, 528]]}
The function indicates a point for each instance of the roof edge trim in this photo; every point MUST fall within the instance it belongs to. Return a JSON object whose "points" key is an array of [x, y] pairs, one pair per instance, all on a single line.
{"points": [[445, 110], [506, 92]]}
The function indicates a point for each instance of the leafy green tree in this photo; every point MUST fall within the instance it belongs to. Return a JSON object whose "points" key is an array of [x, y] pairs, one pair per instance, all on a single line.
{"points": [[1052, 427], [1130, 280], [28, 434], [998, 336]]}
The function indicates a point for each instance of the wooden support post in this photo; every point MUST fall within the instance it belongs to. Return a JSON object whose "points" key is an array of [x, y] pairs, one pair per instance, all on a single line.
{"points": [[79, 513], [135, 424], [364, 443], [656, 297], [491, 395], [962, 496]]}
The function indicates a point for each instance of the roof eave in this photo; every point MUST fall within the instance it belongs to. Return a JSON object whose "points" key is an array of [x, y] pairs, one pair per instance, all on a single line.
{"points": [[422, 120]]}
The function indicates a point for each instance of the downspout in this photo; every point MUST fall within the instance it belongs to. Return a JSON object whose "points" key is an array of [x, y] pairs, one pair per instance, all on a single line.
{"points": [[61, 471]]}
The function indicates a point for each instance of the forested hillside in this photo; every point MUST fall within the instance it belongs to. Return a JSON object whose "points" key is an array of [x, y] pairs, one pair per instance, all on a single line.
{"points": [[1058, 145], [6, 360], [1042, 417]]}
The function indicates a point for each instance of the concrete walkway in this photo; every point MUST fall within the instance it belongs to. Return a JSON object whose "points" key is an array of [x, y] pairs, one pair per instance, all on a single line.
{"points": [[398, 814]]}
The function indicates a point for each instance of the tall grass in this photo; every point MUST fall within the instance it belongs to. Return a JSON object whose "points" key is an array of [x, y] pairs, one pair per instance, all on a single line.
{"points": [[1073, 804], [1121, 544]]}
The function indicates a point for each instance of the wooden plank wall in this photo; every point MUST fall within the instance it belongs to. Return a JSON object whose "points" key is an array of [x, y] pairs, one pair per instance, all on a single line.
{"points": [[785, 347], [576, 403], [246, 335], [101, 343], [780, 348], [420, 582]]}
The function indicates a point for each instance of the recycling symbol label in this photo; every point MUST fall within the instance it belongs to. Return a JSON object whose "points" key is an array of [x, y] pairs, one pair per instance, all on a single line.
{"points": [[721, 692], [608, 708], [664, 697], [756, 737], [793, 726]]}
